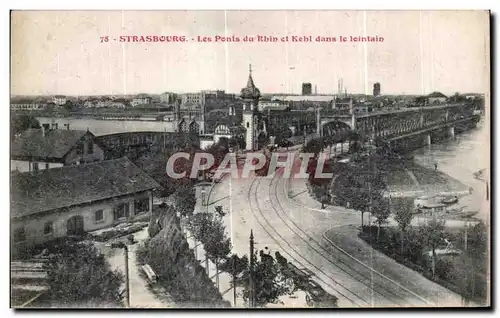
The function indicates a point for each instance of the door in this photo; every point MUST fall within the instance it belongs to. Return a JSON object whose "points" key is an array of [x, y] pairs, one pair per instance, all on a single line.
{"points": [[75, 226]]}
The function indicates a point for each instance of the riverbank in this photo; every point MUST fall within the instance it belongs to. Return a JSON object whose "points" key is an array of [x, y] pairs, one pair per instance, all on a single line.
{"points": [[346, 238]]}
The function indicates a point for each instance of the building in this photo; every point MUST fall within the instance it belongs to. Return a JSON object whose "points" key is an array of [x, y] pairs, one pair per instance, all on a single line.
{"points": [[362, 108], [68, 201], [436, 98], [250, 96], [168, 98], [214, 94], [306, 89], [224, 131], [59, 100], [376, 89], [91, 103], [41, 149], [141, 100], [25, 105], [192, 99], [270, 104]]}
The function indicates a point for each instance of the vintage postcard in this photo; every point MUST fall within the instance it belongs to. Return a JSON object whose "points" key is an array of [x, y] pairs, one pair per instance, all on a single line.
{"points": [[250, 159]]}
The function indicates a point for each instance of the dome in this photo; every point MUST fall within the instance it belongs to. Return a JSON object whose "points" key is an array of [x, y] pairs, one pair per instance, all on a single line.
{"points": [[250, 91]]}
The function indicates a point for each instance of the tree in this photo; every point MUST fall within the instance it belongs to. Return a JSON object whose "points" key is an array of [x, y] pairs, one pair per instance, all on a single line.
{"points": [[268, 280], [217, 245], [185, 200], [157, 218], [433, 235], [403, 215], [363, 183], [199, 226], [20, 123], [219, 211], [235, 265], [312, 146], [380, 210], [282, 132], [80, 274]]}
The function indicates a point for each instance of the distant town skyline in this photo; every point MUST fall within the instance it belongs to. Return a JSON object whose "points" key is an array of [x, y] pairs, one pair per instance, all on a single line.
{"points": [[61, 52]]}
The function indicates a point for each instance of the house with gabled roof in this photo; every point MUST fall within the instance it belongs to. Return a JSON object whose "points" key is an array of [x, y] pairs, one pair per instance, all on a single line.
{"points": [[436, 98], [72, 200], [39, 149]]}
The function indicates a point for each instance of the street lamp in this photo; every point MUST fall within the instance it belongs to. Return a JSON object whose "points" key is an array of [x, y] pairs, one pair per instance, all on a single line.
{"points": [[127, 284]]}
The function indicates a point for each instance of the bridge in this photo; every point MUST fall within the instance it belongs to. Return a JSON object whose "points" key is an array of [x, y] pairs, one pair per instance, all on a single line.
{"points": [[398, 128], [134, 144]]}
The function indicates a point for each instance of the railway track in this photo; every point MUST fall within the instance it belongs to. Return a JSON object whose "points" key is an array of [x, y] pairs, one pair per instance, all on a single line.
{"points": [[292, 253], [367, 279]]}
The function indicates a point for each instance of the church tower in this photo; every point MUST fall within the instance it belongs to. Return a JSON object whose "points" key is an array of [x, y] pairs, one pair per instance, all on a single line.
{"points": [[250, 96]]}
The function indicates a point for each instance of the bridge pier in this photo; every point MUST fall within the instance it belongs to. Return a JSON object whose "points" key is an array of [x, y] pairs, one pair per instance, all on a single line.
{"points": [[451, 132]]}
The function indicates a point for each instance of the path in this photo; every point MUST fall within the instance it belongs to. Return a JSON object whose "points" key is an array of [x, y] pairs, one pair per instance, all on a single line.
{"points": [[140, 294]]}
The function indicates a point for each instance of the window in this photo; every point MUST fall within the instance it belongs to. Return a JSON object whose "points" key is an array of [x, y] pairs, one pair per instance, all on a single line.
{"points": [[141, 205], [48, 228], [121, 211], [99, 216], [46, 166], [248, 124], [35, 166], [19, 235], [90, 146], [79, 148]]}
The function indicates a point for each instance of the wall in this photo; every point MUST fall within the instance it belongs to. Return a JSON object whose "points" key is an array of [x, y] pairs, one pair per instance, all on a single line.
{"points": [[24, 166], [217, 137], [73, 158], [34, 225], [204, 144]]}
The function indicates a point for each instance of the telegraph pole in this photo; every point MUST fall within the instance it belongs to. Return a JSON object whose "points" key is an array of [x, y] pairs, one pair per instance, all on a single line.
{"points": [[251, 298], [234, 279]]}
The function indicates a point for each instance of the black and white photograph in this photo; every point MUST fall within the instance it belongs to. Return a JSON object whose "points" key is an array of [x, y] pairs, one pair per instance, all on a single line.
{"points": [[317, 159]]}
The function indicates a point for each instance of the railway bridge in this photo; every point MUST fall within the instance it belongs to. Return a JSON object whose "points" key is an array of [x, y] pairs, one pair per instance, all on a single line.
{"points": [[402, 128], [134, 144]]}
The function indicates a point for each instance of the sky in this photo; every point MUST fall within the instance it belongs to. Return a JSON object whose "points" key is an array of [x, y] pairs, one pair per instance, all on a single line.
{"points": [[60, 52]]}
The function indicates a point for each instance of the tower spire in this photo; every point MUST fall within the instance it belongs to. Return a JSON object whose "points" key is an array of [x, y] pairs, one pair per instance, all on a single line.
{"points": [[250, 68]]}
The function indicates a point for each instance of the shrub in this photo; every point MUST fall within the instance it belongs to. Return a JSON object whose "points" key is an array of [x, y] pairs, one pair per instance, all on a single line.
{"points": [[80, 274]]}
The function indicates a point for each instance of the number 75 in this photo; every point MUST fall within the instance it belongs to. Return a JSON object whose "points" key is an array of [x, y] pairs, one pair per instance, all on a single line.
{"points": [[104, 39]]}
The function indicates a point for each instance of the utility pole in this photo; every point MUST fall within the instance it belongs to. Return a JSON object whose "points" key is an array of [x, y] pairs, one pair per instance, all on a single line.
{"points": [[251, 298], [465, 299], [127, 283]]}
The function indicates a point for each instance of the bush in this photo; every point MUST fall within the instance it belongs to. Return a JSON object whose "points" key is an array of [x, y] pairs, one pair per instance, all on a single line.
{"points": [[178, 271], [80, 275], [444, 269], [142, 252]]}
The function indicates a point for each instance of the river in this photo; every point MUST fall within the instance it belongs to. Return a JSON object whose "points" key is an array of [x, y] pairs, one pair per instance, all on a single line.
{"points": [[105, 127], [460, 158]]}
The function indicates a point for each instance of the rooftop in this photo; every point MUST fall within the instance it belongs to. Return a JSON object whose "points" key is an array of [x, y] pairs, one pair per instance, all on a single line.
{"points": [[436, 94], [55, 144], [308, 98], [51, 189]]}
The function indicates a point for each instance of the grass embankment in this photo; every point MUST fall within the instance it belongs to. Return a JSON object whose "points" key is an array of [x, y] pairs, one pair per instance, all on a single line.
{"points": [[463, 272]]}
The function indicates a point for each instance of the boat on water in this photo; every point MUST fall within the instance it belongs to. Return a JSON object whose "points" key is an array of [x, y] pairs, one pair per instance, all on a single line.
{"points": [[439, 205], [449, 200]]}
